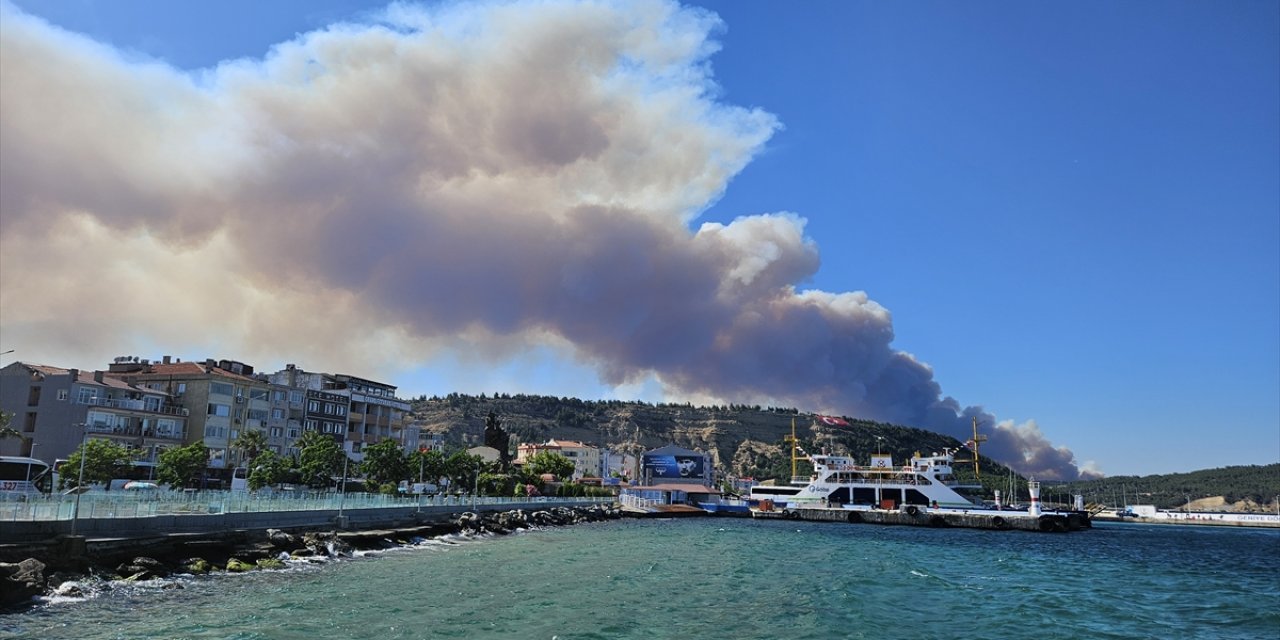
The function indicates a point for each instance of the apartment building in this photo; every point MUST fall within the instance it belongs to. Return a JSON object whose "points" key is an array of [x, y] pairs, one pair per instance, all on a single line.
{"points": [[585, 458], [223, 398], [356, 412], [56, 408]]}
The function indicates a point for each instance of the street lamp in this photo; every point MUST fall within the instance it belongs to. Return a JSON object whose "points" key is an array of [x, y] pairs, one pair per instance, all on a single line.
{"points": [[75, 513], [342, 498], [30, 454]]}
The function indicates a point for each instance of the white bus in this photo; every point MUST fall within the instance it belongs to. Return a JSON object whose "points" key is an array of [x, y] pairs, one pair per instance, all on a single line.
{"points": [[23, 476]]}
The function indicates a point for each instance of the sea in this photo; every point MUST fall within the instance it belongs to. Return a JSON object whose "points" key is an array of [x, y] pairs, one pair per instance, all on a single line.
{"points": [[719, 578]]}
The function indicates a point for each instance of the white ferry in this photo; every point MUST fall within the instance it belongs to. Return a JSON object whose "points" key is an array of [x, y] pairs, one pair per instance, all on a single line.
{"points": [[839, 481]]}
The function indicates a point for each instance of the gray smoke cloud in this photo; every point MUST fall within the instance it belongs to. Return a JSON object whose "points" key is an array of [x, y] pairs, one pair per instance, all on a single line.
{"points": [[498, 174]]}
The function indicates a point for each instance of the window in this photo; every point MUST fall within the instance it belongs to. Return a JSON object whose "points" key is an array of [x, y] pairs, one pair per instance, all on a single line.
{"points": [[341, 410], [63, 394], [311, 425], [182, 388], [213, 431], [152, 403], [277, 432], [168, 428], [220, 389], [277, 414], [219, 409], [258, 414], [87, 395], [277, 396], [313, 406], [295, 397], [295, 432], [259, 394]]}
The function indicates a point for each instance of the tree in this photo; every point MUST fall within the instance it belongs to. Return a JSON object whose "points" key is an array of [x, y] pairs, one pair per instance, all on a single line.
{"points": [[178, 465], [250, 443], [6, 431], [319, 459], [462, 469], [267, 469], [429, 465], [103, 460], [384, 463], [552, 463]]}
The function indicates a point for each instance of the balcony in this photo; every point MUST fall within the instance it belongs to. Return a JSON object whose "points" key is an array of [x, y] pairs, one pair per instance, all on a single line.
{"points": [[132, 405], [133, 431]]}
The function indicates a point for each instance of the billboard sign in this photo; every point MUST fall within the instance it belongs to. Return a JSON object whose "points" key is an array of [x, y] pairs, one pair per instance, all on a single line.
{"points": [[675, 467]]}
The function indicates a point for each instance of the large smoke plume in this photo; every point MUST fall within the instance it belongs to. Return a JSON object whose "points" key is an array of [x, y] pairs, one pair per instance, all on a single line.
{"points": [[503, 175]]}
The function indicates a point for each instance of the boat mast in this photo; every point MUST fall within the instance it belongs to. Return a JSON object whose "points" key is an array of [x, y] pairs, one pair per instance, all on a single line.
{"points": [[977, 440], [792, 440]]}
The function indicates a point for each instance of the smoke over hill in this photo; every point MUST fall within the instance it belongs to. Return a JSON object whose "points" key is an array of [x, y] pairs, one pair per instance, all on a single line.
{"points": [[504, 175]]}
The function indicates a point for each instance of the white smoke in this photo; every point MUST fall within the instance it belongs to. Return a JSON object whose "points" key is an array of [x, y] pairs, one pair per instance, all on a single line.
{"points": [[499, 174]]}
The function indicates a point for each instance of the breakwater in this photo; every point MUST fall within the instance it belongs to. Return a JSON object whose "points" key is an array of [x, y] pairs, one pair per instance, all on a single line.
{"points": [[35, 568]]}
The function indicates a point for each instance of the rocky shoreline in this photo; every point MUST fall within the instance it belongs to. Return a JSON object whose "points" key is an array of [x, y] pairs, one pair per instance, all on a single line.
{"points": [[48, 570]]}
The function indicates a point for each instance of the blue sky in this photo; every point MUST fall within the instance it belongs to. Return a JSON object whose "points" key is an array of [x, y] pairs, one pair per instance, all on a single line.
{"points": [[1071, 211]]}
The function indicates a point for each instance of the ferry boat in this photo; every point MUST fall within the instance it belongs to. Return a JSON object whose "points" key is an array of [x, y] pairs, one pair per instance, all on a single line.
{"points": [[923, 491], [926, 481]]}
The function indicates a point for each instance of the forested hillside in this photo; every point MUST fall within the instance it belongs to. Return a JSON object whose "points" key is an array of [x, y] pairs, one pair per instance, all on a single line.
{"points": [[1254, 485]]}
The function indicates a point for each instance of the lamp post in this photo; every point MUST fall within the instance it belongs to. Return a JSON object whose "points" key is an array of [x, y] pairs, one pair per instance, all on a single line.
{"points": [[342, 498], [30, 454], [75, 513]]}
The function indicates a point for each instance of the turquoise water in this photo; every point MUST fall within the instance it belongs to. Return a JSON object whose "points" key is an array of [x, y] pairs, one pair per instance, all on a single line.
{"points": [[725, 578]]}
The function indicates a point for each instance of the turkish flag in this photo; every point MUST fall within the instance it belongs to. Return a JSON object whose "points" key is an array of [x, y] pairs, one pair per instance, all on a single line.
{"points": [[839, 422]]}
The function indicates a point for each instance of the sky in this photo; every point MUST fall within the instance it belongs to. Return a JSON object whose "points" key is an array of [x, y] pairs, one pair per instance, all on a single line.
{"points": [[1063, 220]]}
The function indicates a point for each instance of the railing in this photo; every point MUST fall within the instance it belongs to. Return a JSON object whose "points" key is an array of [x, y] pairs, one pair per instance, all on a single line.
{"points": [[139, 504], [636, 502], [121, 430]]}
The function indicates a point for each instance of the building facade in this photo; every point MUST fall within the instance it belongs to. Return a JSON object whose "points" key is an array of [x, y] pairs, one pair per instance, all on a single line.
{"points": [[55, 409], [223, 398]]}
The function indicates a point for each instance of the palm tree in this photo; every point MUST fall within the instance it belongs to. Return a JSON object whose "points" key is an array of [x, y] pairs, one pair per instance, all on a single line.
{"points": [[250, 443]]}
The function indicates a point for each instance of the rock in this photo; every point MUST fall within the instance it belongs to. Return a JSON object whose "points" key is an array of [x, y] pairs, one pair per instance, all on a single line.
{"points": [[143, 568], [236, 565], [281, 540], [270, 563], [196, 565], [326, 544], [22, 581]]}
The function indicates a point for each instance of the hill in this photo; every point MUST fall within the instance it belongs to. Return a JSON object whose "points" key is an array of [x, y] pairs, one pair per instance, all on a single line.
{"points": [[744, 441], [1246, 487]]}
